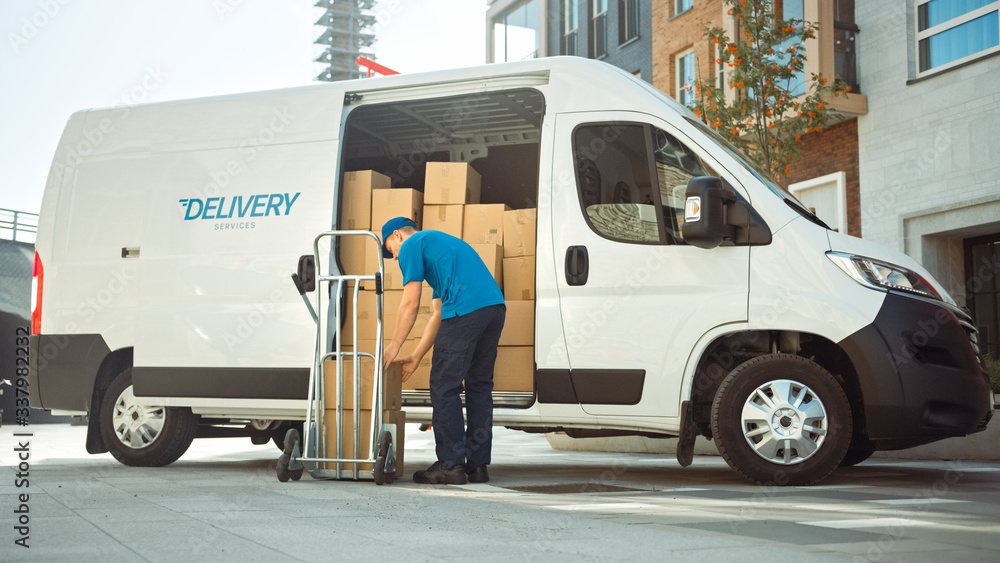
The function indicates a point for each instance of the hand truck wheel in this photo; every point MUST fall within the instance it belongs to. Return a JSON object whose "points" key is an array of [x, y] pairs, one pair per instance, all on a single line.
{"points": [[378, 471], [284, 473]]}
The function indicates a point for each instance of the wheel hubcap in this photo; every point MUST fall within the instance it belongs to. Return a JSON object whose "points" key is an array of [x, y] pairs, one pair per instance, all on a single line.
{"points": [[137, 426], [784, 422]]}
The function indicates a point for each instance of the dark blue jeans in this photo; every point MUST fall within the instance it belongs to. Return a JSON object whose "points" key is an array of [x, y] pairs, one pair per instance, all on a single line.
{"points": [[464, 351]]}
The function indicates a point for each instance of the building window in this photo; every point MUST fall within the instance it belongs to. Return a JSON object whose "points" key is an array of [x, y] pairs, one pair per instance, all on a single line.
{"points": [[951, 32], [982, 290], [599, 28], [681, 6], [628, 20], [720, 70], [826, 196], [516, 34], [570, 27], [792, 9], [685, 79]]}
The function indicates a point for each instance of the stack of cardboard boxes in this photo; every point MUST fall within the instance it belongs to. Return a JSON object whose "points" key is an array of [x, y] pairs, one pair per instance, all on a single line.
{"points": [[504, 239], [343, 430], [515, 367]]}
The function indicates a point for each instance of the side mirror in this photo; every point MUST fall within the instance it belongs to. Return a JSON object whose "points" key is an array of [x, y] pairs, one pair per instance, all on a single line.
{"points": [[307, 273], [705, 212]]}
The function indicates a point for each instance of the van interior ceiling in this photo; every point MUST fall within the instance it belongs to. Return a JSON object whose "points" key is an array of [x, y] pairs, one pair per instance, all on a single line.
{"points": [[498, 133]]}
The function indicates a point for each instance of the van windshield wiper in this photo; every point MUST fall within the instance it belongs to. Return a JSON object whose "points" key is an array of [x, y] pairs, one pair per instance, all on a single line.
{"points": [[806, 213]]}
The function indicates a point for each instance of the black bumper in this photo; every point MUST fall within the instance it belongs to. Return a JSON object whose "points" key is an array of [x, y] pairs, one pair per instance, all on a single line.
{"points": [[921, 376], [62, 369]]}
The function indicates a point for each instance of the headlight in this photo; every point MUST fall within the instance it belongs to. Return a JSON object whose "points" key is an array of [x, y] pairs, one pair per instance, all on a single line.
{"points": [[883, 275]]}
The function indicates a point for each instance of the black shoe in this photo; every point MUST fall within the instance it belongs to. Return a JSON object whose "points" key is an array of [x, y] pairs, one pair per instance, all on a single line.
{"points": [[479, 475], [435, 475]]}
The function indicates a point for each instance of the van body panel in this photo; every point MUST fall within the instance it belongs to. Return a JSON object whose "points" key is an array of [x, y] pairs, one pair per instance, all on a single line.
{"points": [[644, 306], [204, 300], [795, 287]]}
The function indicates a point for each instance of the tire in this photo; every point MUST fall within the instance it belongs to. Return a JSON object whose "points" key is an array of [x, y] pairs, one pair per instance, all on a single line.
{"points": [[798, 439], [859, 450], [143, 436]]}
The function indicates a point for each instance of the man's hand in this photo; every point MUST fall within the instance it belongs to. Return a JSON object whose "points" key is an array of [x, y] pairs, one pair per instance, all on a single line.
{"points": [[410, 364], [389, 354]]}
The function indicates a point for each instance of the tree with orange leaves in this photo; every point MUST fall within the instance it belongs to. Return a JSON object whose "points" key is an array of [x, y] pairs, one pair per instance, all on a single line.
{"points": [[771, 107]]}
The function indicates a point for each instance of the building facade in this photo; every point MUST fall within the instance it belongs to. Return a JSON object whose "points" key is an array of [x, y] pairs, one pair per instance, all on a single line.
{"points": [[618, 32], [929, 155], [827, 177]]}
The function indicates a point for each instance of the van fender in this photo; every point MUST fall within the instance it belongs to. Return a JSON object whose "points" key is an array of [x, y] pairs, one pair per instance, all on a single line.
{"points": [[692, 380]]}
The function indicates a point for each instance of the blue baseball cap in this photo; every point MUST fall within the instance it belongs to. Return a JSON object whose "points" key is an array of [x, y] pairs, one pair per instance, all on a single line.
{"points": [[391, 226]]}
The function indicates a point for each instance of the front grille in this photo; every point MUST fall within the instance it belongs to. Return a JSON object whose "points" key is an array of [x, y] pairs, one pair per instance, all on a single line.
{"points": [[965, 320]]}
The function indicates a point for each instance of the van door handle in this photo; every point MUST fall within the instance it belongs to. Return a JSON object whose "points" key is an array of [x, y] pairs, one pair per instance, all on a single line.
{"points": [[577, 265]]}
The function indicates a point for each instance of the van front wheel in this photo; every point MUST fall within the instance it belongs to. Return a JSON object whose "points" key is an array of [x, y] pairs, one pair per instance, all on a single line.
{"points": [[782, 419], [141, 435]]}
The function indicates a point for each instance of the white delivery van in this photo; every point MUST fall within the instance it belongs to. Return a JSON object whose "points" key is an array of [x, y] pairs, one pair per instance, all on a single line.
{"points": [[679, 292]]}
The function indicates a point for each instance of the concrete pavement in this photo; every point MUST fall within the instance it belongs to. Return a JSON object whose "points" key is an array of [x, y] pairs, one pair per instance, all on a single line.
{"points": [[222, 502]]}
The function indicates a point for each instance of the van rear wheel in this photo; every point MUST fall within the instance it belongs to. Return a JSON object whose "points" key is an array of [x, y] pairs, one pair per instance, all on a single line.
{"points": [[141, 435], [782, 419]]}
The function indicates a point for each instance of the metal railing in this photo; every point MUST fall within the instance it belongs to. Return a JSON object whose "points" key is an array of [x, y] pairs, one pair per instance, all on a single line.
{"points": [[19, 226]]}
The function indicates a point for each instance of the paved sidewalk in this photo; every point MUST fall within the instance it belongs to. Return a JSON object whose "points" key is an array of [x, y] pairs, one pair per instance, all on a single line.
{"points": [[222, 502]]}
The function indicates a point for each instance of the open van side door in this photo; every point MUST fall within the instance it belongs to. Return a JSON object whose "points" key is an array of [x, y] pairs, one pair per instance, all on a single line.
{"points": [[634, 298]]}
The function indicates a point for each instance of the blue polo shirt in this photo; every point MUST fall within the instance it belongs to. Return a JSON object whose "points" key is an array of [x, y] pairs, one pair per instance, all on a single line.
{"points": [[453, 269]]}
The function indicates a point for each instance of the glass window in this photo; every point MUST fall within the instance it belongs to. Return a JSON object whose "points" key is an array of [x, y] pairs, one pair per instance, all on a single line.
{"points": [[950, 32], [685, 79], [792, 9], [599, 29], [632, 180], [628, 20], [681, 6], [516, 34], [571, 25]]}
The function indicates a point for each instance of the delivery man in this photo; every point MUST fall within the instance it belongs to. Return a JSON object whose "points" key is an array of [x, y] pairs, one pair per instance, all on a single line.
{"points": [[464, 329]]}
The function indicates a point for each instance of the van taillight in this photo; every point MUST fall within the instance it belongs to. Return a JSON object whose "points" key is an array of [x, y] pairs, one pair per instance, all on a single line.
{"points": [[36, 296]]}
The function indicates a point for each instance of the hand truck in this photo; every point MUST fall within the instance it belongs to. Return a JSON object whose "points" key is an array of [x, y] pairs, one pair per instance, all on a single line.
{"points": [[309, 451]]}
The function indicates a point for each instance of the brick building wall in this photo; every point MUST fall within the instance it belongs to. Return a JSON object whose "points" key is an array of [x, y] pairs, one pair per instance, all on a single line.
{"points": [[675, 34], [834, 149]]}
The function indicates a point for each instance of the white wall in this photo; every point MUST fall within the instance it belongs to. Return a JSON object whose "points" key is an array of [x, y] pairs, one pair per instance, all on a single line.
{"points": [[929, 150]]}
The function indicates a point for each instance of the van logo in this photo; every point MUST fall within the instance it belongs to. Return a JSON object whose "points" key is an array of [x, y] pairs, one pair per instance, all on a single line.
{"points": [[260, 205]]}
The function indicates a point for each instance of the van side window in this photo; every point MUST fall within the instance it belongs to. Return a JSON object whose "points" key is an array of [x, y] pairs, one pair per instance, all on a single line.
{"points": [[632, 180], [616, 183], [676, 164]]}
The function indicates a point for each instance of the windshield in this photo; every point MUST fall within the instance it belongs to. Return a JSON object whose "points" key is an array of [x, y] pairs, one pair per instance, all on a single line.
{"points": [[750, 165]]}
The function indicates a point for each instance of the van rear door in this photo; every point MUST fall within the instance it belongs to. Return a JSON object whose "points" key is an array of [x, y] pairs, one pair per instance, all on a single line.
{"points": [[634, 298]]}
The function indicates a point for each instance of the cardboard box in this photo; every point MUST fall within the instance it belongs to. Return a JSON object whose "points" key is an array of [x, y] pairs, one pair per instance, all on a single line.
{"points": [[484, 223], [492, 255], [355, 252], [451, 183], [393, 276], [519, 326], [356, 199], [515, 369], [391, 395], [519, 232], [519, 278], [398, 202], [368, 312], [421, 378], [445, 218], [393, 417]]}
